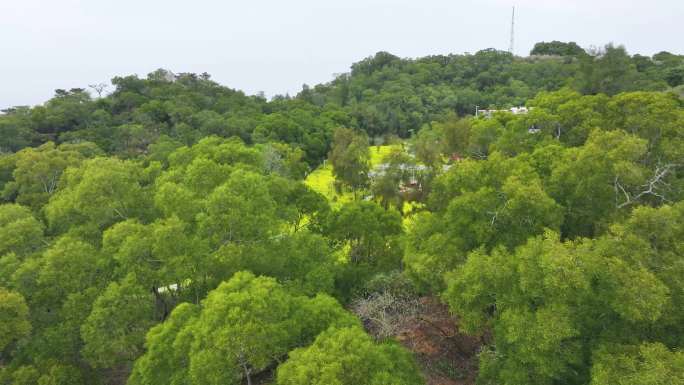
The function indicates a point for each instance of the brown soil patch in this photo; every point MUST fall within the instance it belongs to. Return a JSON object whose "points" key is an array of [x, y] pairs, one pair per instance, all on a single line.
{"points": [[446, 356]]}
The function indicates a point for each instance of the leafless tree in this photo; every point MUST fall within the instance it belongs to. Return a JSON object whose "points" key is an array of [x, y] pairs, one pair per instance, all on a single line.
{"points": [[386, 314], [99, 88]]}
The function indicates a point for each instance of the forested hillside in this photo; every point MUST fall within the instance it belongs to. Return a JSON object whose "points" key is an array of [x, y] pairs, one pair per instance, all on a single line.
{"points": [[370, 230]]}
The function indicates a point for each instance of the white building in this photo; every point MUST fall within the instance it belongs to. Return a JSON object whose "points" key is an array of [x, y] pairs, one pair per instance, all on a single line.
{"points": [[513, 110]]}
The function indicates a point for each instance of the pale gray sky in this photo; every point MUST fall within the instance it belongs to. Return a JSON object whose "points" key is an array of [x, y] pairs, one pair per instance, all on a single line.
{"points": [[275, 45]]}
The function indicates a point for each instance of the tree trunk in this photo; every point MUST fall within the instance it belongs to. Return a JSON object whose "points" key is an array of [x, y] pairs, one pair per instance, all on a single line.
{"points": [[247, 373]]}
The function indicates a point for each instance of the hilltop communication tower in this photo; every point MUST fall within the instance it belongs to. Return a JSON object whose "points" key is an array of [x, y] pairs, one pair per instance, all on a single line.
{"points": [[512, 45]]}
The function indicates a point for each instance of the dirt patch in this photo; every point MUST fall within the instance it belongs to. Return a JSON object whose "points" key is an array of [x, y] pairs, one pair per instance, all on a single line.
{"points": [[446, 356]]}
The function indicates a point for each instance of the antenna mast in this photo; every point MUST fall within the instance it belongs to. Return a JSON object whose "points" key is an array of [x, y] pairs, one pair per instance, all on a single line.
{"points": [[510, 48]]}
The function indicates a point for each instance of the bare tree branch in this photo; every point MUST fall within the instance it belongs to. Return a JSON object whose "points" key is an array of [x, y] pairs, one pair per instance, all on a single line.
{"points": [[650, 188], [385, 314], [99, 88]]}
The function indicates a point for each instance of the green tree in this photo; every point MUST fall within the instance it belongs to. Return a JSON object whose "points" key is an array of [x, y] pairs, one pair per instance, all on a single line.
{"points": [[646, 364], [37, 171], [655, 117], [25, 375], [649, 238], [397, 170], [240, 210], [16, 131], [14, 318], [483, 134], [369, 240], [61, 375], [609, 71], [456, 134], [303, 261], [285, 160], [311, 209], [348, 356], [166, 358], [160, 255], [549, 304], [675, 76], [69, 266], [369, 230], [427, 147], [495, 202], [243, 327], [558, 48], [350, 157], [114, 332], [20, 232], [595, 181], [97, 194]]}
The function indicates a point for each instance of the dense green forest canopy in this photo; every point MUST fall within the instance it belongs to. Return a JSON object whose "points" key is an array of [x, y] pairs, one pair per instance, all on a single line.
{"points": [[170, 232], [382, 95]]}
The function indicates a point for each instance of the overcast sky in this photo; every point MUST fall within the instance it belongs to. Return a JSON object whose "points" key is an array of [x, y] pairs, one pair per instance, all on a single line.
{"points": [[275, 46]]}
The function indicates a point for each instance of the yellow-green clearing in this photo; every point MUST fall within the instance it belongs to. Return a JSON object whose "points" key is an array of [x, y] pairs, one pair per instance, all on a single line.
{"points": [[322, 179], [377, 153]]}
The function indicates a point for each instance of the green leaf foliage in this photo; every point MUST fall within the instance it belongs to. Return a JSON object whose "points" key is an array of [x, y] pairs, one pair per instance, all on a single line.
{"points": [[241, 328], [346, 356]]}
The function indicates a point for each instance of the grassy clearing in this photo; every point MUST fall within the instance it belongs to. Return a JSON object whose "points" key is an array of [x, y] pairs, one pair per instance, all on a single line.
{"points": [[322, 179], [379, 152]]}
